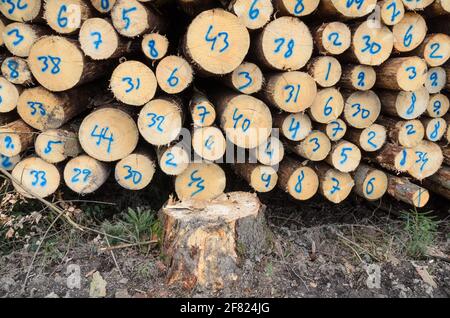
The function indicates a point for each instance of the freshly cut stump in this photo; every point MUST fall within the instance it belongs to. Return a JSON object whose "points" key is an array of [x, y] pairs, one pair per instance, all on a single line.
{"points": [[205, 242]]}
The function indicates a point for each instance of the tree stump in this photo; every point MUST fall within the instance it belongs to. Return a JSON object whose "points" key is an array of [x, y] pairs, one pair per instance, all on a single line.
{"points": [[205, 242]]}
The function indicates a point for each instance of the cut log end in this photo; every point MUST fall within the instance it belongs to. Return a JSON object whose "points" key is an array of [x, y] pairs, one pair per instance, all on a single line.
{"points": [[336, 129], [25, 13], [438, 105], [335, 185], [327, 106], [103, 6], [35, 177], [8, 163], [19, 38], [428, 159], [254, 15], [84, 174], [392, 11], [410, 32], [98, 39], [358, 77], [315, 147], [203, 112], [155, 46], [66, 16], [246, 79], [370, 183], [404, 190], [173, 160], [293, 126], [174, 74], [16, 70], [436, 79], [56, 145], [326, 70], [209, 143], [271, 152], [361, 109], [9, 95], [15, 138], [333, 38], [301, 182], [135, 172], [260, 177], [381, 43], [404, 73], [435, 128], [344, 156]]}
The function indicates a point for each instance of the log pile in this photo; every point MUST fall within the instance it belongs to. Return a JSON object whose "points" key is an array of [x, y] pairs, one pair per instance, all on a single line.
{"points": [[323, 97]]}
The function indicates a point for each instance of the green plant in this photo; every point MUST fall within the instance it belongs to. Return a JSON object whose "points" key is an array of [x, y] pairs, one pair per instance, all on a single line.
{"points": [[421, 230]]}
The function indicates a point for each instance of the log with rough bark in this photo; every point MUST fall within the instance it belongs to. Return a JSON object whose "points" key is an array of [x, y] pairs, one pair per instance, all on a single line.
{"points": [[285, 43], [42, 109], [292, 92], [161, 120], [439, 182], [15, 138], [438, 8], [407, 133], [58, 64], [216, 42], [200, 181], [34, 177], [404, 190], [393, 157], [402, 73], [207, 242], [56, 145], [300, 181], [260, 177], [194, 7], [370, 183], [84, 174], [406, 105], [357, 77], [132, 18], [315, 147], [332, 38], [108, 134], [136, 171], [335, 185]]}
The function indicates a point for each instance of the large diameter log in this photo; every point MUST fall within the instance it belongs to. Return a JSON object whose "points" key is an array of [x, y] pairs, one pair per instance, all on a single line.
{"points": [[296, 126], [271, 152], [21, 11], [370, 184], [260, 177], [135, 171], [103, 6], [402, 73], [404, 190], [344, 156], [200, 181], [209, 143], [335, 185], [42, 109], [346, 9], [315, 147], [391, 11], [154, 46], [161, 120], [361, 109], [8, 163], [202, 110], [428, 159], [438, 106], [409, 33], [327, 106], [326, 70], [174, 74], [174, 159], [368, 139], [17, 71], [394, 158], [417, 5], [15, 138], [100, 41], [371, 45], [407, 133], [335, 129], [205, 243], [131, 18], [108, 134], [284, 44], [300, 181], [246, 120], [56, 145], [358, 77], [216, 42], [436, 79], [435, 128], [296, 8], [9, 95], [435, 49], [406, 105], [66, 16], [292, 92], [20, 37], [332, 38], [59, 64], [247, 78], [439, 182], [253, 14], [33, 177], [133, 83], [84, 174]]}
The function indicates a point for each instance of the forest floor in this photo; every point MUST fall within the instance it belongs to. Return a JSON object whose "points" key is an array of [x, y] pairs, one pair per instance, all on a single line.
{"points": [[355, 249]]}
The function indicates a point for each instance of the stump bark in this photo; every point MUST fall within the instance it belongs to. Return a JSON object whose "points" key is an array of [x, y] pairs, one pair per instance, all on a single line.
{"points": [[205, 242]]}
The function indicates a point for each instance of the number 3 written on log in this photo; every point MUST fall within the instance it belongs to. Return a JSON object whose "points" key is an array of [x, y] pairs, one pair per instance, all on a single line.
{"points": [[19, 37], [156, 119], [213, 40], [34, 110], [372, 47], [38, 175], [102, 136], [134, 175], [56, 61], [131, 84], [198, 181], [77, 174], [422, 157]]}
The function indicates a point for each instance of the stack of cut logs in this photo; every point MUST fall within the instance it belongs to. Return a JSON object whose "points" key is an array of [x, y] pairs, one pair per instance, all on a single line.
{"points": [[312, 96]]}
